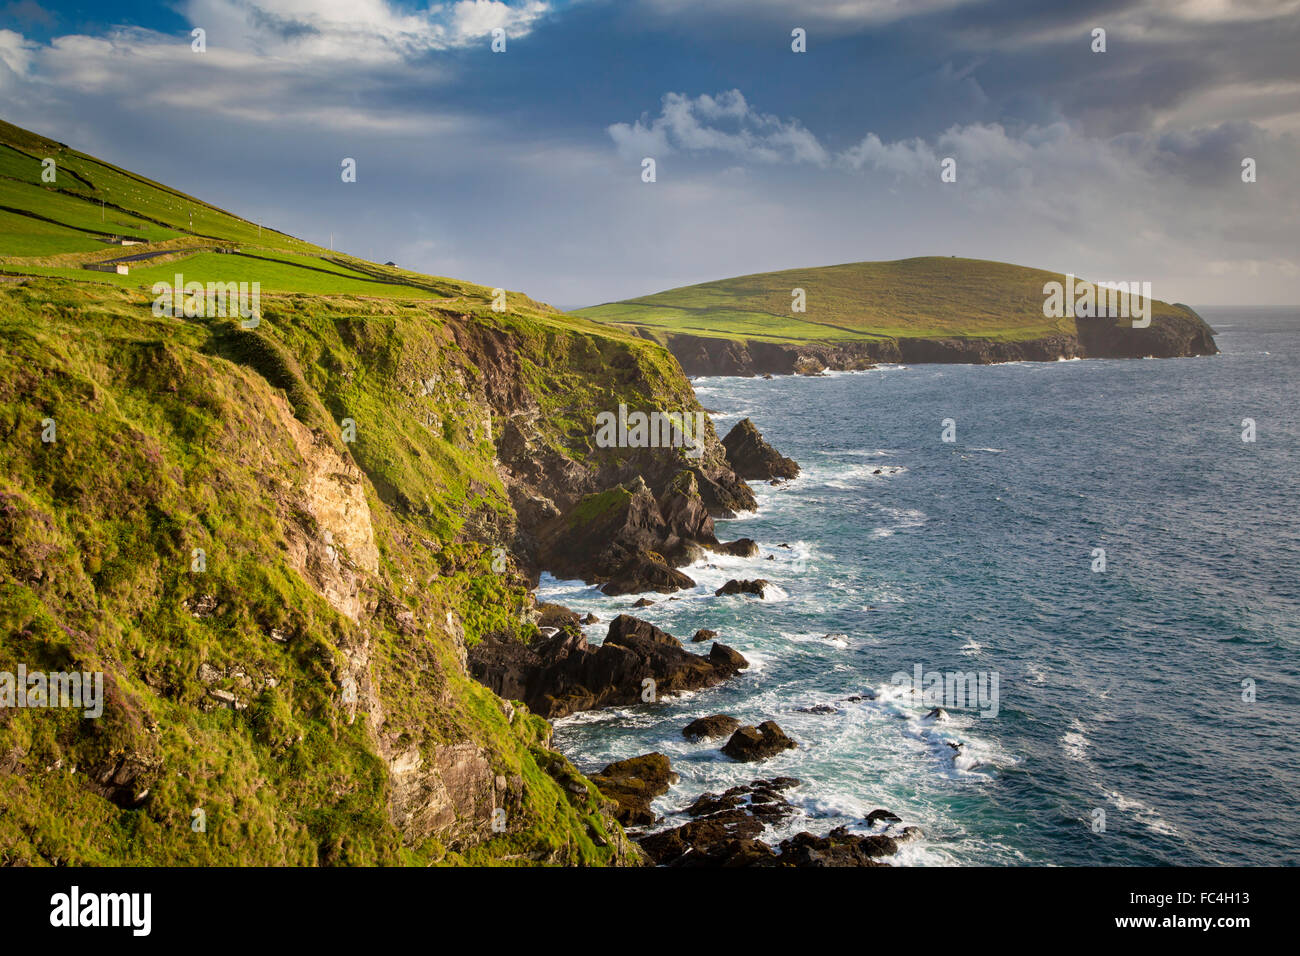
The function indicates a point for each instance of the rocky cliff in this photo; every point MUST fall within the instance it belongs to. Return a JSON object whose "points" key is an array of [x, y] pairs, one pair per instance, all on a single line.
{"points": [[1168, 336], [279, 547]]}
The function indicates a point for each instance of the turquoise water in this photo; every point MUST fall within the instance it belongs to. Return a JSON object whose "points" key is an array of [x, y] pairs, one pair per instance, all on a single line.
{"points": [[1119, 691]]}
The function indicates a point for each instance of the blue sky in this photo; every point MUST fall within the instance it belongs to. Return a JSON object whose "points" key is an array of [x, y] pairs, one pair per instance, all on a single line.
{"points": [[523, 169]]}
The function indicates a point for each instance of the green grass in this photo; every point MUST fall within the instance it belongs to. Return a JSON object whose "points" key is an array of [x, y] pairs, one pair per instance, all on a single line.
{"points": [[24, 236], [178, 433], [929, 297]]}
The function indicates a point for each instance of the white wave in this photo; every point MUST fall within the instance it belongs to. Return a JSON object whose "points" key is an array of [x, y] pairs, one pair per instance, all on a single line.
{"points": [[1074, 743], [1144, 814]]}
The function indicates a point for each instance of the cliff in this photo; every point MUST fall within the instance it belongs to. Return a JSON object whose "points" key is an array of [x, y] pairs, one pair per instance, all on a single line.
{"points": [[1167, 337], [274, 534]]}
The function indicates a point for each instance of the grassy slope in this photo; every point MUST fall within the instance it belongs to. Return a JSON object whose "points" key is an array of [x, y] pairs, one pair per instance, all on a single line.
{"points": [[176, 433], [929, 297]]}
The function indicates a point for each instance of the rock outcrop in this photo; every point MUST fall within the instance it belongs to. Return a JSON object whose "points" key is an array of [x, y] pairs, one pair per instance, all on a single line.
{"points": [[752, 457], [757, 587], [631, 540], [711, 727], [563, 674], [724, 831], [633, 783], [758, 743]]}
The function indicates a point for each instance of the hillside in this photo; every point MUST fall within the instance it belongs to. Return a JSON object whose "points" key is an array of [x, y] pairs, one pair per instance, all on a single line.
{"points": [[278, 541], [916, 310]]}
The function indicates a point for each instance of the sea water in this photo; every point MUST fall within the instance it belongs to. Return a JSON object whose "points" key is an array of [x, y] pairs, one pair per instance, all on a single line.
{"points": [[1148, 713]]}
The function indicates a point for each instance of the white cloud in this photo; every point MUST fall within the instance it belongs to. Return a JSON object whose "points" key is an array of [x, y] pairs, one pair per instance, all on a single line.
{"points": [[356, 31], [723, 123], [16, 52]]}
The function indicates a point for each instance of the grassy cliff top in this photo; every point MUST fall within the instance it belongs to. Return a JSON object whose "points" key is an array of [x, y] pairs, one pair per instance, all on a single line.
{"points": [[926, 297]]}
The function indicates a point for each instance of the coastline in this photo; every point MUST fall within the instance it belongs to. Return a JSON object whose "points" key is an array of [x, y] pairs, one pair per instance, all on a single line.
{"points": [[1184, 335]]}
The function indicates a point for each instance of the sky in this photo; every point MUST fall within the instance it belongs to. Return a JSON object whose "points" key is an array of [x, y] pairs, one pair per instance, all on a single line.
{"points": [[524, 168]]}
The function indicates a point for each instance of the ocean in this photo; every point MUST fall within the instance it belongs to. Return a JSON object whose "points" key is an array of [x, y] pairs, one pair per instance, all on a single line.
{"points": [[1147, 713]]}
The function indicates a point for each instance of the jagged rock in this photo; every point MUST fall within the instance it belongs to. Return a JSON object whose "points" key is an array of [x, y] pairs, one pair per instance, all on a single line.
{"points": [[557, 617], [646, 572], [752, 457], [881, 814], [708, 728], [703, 634], [726, 658], [757, 587], [725, 828], [837, 848], [633, 784], [938, 713], [643, 602], [758, 743], [590, 619], [630, 539], [564, 674]]}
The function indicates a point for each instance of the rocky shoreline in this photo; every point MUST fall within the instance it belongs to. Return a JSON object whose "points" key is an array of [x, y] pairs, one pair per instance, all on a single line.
{"points": [[1182, 335], [628, 522], [632, 538]]}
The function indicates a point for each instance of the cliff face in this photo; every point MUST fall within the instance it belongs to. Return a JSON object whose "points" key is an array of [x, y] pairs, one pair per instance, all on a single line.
{"points": [[279, 546], [1168, 336]]}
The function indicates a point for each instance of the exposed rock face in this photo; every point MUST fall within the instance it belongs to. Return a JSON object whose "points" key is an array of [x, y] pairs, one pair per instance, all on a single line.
{"points": [[633, 783], [456, 790], [562, 675], [757, 743], [1168, 336], [703, 634], [699, 355], [752, 457], [334, 548], [631, 540], [711, 727]]}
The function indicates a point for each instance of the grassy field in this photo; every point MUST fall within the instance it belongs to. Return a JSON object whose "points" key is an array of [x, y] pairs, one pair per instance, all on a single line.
{"points": [[928, 297], [55, 229]]}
